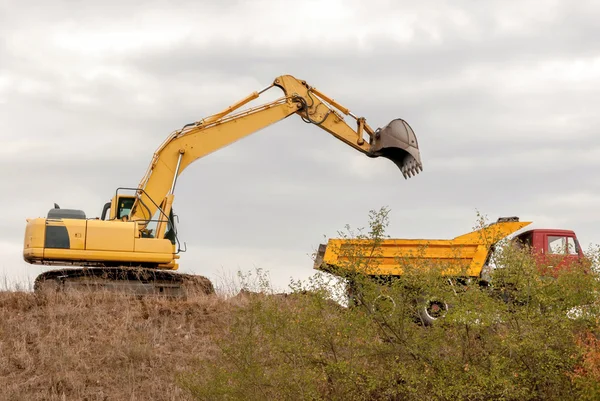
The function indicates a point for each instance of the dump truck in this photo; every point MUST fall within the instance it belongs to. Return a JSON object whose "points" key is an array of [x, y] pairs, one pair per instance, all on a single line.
{"points": [[134, 245], [466, 257]]}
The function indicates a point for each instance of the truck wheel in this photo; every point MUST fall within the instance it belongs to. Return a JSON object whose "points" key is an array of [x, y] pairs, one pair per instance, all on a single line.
{"points": [[384, 304], [432, 310]]}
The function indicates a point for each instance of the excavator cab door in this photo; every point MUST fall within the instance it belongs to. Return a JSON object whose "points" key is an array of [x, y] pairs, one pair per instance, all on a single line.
{"points": [[398, 143]]}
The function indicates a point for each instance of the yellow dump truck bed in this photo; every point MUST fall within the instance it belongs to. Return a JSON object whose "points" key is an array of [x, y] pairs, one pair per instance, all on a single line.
{"points": [[464, 255]]}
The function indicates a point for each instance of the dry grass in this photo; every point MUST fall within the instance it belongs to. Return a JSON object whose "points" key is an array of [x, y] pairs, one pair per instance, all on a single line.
{"points": [[81, 346]]}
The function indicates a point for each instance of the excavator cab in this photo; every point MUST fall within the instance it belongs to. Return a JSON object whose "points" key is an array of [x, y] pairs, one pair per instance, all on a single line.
{"points": [[398, 143]]}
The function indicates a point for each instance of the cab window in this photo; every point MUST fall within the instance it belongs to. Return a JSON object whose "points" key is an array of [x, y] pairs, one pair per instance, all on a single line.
{"points": [[572, 247], [562, 245], [153, 225], [124, 207], [556, 244]]}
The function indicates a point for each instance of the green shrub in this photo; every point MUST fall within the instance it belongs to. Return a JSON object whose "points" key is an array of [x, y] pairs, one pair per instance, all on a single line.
{"points": [[523, 338]]}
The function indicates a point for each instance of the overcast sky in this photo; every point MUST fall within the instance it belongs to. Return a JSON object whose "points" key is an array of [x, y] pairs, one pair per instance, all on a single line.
{"points": [[502, 95]]}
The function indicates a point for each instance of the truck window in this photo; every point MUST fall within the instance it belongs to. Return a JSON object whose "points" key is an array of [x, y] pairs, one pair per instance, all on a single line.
{"points": [[572, 247], [556, 244]]}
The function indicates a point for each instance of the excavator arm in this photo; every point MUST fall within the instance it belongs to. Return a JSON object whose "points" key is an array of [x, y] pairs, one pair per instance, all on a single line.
{"points": [[133, 248], [396, 141]]}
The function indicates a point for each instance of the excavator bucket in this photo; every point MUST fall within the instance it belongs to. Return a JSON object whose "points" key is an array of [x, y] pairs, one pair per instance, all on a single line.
{"points": [[398, 143]]}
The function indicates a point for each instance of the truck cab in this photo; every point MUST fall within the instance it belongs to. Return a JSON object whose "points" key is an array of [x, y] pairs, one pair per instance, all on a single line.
{"points": [[553, 249]]}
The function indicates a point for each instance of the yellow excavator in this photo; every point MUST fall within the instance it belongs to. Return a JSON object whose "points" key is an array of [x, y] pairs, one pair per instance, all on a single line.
{"points": [[134, 245]]}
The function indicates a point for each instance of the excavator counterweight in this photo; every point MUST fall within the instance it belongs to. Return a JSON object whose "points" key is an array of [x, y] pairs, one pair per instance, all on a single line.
{"points": [[137, 231]]}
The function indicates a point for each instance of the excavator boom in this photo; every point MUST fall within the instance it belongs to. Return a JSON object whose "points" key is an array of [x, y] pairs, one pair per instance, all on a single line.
{"points": [[137, 230]]}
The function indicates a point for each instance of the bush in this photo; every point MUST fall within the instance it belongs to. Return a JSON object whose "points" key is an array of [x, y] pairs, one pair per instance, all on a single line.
{"points": [[523, 338]]}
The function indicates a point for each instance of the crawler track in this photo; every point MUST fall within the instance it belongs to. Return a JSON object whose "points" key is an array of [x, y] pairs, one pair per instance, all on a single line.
{"points": [[129, 280]]}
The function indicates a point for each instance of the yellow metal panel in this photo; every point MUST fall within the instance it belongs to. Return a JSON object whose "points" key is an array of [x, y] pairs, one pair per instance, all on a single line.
{"points": [[35, 232], [136, 257], [492, 233], [76, 229], [153, 245], [479, 260], [33, 254], [169, 266], [110, 236], [465, 254]]}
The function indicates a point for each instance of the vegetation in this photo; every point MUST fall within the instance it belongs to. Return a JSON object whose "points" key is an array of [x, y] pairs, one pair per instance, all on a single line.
{"points": [[81, 346], [522, 338], [525, 337]]}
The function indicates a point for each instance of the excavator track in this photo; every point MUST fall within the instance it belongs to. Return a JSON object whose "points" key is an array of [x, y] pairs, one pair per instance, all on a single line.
{"points": [[128, 280]]}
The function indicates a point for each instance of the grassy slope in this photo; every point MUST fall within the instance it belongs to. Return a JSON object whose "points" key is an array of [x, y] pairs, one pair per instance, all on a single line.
{"points": [[81, 346], [102, 347]]}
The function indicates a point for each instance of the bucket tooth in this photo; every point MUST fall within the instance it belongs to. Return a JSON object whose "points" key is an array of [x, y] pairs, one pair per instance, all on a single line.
{"points": [[398, 143]]}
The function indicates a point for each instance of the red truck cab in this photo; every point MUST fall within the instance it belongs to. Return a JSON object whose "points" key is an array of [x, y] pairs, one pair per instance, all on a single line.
{"points": [[553, 249]]}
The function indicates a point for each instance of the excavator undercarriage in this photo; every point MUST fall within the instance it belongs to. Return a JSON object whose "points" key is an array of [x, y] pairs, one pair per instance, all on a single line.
{"points": [[126, 280], [134, 247]]}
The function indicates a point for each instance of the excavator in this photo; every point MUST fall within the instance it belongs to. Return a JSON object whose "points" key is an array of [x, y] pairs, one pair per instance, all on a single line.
{"points": [[134, 246]]}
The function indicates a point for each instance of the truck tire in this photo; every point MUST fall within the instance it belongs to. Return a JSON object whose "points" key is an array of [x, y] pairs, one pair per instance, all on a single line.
{"points": [[431, 310], [384, 304]]}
